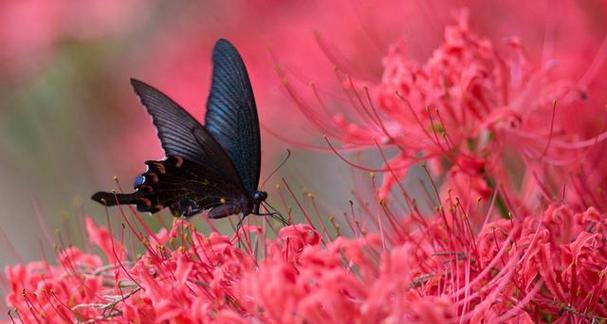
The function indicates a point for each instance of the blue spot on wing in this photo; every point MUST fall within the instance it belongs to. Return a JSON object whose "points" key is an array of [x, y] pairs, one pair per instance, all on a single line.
{"points": [[138, 181]]}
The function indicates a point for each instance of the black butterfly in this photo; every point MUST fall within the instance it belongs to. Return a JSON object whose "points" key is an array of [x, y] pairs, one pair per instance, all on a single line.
{"points": [[215, 166]]}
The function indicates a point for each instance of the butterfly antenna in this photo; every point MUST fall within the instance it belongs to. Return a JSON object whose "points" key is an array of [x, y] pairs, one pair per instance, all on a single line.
{"points": [[278, 168]]}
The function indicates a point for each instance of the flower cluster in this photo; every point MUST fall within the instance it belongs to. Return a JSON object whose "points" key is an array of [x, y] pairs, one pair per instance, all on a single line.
{"points": [[547, 267], [482, 119]]}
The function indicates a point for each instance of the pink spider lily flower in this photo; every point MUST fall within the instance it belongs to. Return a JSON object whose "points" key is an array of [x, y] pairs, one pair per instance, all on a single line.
{"points": [[429, 269], [471, 112]]}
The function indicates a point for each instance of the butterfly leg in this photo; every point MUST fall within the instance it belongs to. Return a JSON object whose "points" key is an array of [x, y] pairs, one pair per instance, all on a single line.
{"points": [[185, 208], [275, 214], [238, 228]]}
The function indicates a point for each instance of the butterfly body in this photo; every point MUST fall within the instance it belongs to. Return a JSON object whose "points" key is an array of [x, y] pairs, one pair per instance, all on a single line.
{"points": [[214, 167]]}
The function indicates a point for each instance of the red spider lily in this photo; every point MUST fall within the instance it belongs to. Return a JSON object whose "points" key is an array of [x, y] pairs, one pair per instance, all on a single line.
{"points": [[471, 112]]}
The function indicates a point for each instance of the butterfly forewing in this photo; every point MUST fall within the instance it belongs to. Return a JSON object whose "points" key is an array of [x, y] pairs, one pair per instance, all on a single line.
{"points": [[231, 115], [176, 129]]}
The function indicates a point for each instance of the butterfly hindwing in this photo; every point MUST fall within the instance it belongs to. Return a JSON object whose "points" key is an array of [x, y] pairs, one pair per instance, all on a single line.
{"points": [[186, 187], [231, 115]]}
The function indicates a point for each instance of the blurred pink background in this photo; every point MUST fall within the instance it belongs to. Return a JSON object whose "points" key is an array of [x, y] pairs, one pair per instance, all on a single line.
{"points": [[69, 121]]}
